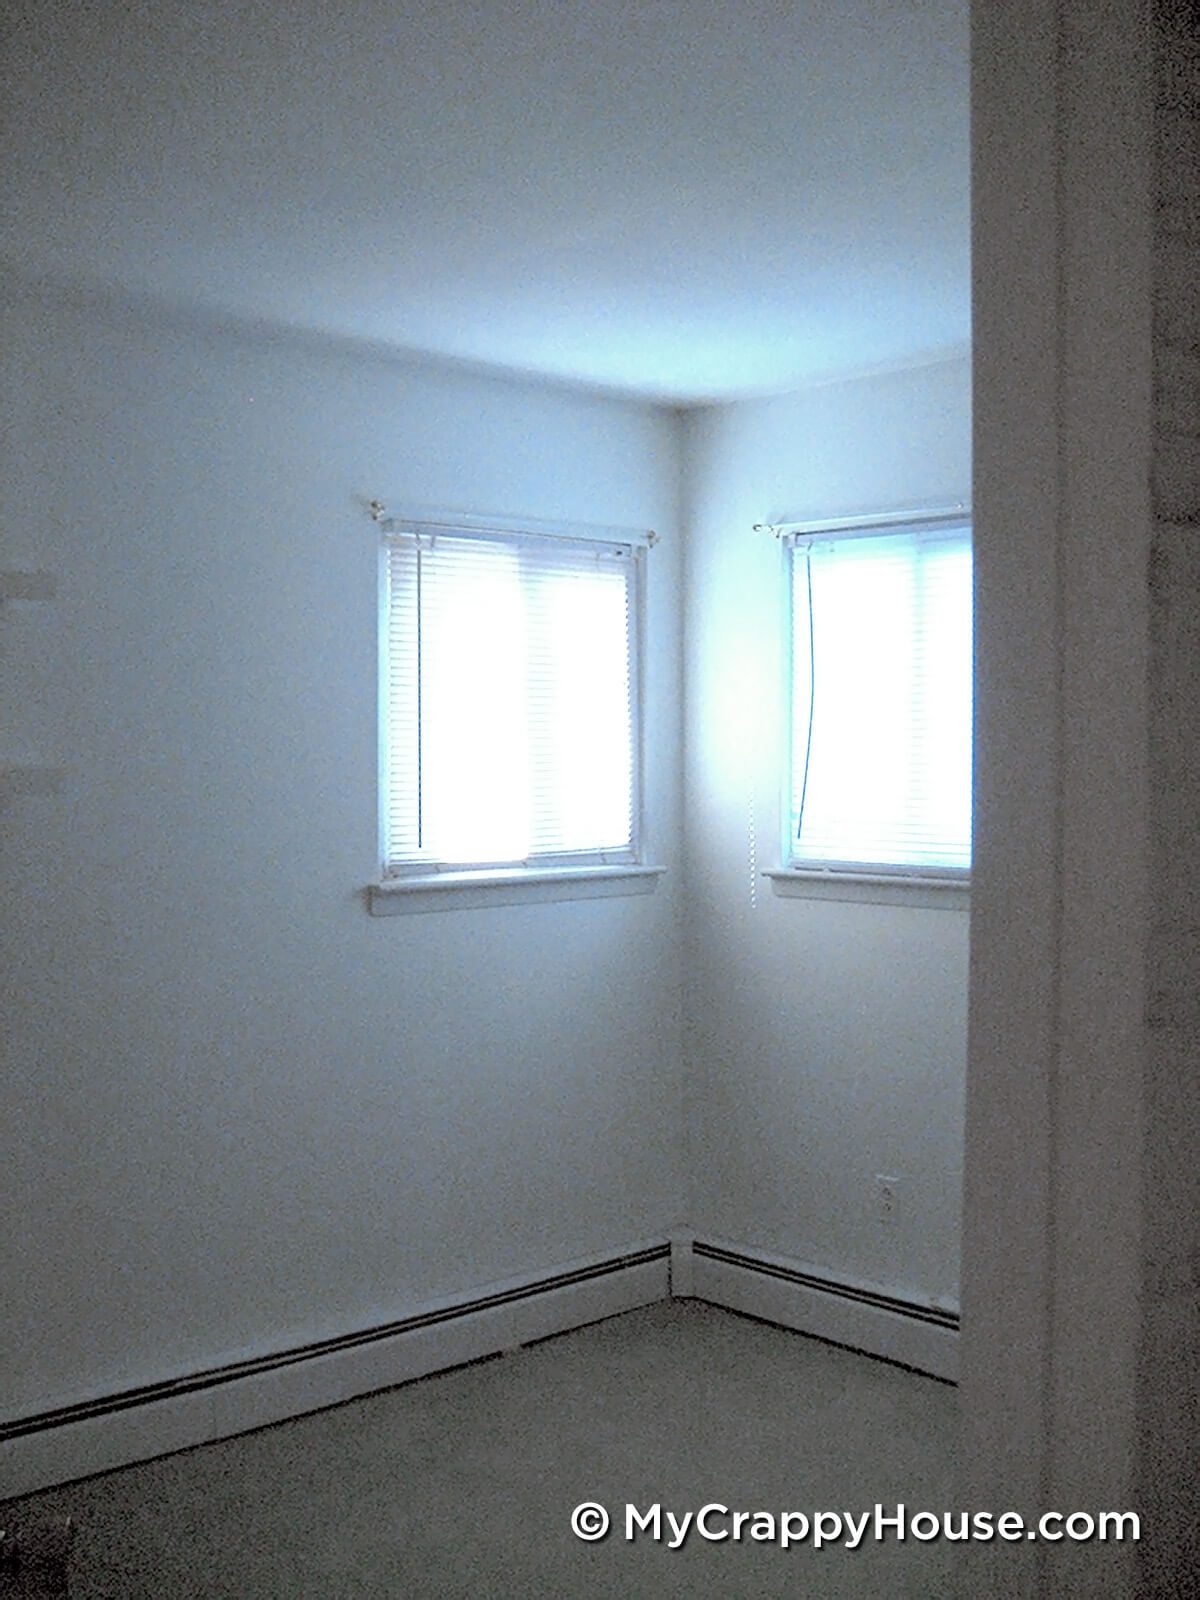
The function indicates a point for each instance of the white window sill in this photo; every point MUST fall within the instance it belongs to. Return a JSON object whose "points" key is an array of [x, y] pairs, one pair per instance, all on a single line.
{"points": [[876, 888], [519, 886]]}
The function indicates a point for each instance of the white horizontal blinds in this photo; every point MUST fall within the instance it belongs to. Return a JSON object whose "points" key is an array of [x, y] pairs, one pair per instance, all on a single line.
{"points": [[882, 654], [401, 710], [521, 747], [579, 619], [474, 743]]}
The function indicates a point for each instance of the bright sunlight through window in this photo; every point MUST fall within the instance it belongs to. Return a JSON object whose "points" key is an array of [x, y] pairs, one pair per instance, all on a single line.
{"points": [[509, 696], [881, 701]]}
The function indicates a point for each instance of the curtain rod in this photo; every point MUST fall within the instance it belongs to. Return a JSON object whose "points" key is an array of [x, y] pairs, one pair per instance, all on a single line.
{"points": [[456, 522], [954, 512]]}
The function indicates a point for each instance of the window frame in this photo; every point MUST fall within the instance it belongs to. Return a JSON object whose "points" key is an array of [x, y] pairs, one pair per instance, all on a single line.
{"points": [[884, 882], [415, 884]]}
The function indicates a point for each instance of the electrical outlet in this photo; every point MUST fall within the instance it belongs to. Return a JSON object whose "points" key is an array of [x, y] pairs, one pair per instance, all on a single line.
{"points": [[887, 1197]]}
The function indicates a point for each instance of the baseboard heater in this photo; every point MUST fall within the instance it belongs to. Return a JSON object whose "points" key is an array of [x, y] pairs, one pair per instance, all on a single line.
{"points": [[857, 1316], [846, 1291], [94, 1435], [86, 1436], [208, 1378]]}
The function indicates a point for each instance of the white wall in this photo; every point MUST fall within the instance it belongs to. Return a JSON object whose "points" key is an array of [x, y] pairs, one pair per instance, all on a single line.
{"points": [[239, 1112], [825, 1040]]}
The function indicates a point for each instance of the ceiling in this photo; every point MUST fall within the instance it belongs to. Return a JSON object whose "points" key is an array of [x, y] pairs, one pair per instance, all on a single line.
{"points": [[688, 200]]}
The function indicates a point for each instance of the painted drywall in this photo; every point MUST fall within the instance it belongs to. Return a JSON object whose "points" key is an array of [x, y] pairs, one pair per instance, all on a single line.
{"points": [[239, 1112], [825, 1040]]}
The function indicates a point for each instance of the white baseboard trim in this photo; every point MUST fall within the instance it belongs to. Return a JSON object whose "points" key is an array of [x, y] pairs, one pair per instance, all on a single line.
{"points": [[76, 1441], [800, 1297]]}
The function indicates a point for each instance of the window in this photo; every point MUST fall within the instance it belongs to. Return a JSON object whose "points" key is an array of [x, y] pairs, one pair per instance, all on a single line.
{"points": [[881, 700], [510, 692]]}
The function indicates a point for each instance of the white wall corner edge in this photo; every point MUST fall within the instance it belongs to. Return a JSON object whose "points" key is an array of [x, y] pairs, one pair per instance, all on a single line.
{"points": [[428, 1339], [682, 1281]]}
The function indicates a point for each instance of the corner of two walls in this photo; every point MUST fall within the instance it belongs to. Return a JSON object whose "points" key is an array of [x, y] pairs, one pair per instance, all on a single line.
{"points": [[242, 1112], [825, 1041]]}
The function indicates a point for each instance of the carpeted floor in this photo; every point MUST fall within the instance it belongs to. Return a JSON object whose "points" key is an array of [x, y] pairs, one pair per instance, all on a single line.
{"points": [[463, 1484]]}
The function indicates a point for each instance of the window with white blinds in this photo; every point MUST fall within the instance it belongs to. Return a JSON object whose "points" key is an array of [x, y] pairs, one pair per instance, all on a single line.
{"points": [[509, 701], [881, 700]]}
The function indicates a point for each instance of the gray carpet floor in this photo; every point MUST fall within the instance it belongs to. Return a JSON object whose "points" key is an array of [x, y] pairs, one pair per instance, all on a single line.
{"points": [[464, 1483]]}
